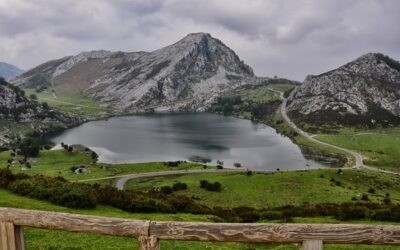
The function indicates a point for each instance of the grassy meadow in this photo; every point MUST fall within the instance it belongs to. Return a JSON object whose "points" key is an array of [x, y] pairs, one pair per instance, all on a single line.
{"points": [[59, 163], [380, 148], [282, 188], [71, 102]]}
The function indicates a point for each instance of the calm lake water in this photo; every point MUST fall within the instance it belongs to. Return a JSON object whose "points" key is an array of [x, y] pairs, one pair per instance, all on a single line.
{"points": [[170, 137]]}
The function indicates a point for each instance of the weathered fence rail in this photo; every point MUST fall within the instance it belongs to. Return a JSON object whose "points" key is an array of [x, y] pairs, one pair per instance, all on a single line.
{"points": [[149, 233]]}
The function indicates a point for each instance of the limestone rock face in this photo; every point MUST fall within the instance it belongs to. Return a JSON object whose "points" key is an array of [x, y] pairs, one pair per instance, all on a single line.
{"points": [[364, 90], [185, 76]]}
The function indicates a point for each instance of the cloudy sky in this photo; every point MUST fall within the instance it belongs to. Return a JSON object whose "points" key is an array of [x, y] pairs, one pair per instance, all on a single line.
{"points": [[288, 38]]}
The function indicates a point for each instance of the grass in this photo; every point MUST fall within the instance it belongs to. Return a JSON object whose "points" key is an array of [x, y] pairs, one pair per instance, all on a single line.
{"points": [[59, 162], [71, 102], [259, 94], [380, 148], [48, 239], [281, 86], [281, 126], [282, 188]]}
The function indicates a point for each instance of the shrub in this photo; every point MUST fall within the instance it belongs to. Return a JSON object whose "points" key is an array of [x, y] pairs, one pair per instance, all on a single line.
{"points": [[173, 163], [215, 187], [29, 147], [179, 186], [371, 191], [364, 197], [237, 165], [387, 199], [166, 190], [6, 177], [203, 183], [55, 190]]}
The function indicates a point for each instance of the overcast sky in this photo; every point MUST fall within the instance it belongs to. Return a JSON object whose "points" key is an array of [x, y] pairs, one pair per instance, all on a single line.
{"points": [[288, 38]]}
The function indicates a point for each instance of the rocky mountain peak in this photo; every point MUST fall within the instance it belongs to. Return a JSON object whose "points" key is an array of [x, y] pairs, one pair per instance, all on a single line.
{"points": [[363, 91], [186, 75]]}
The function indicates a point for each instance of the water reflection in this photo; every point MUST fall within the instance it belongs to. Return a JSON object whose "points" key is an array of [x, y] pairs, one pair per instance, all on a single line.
{"points": [[168, 137]]}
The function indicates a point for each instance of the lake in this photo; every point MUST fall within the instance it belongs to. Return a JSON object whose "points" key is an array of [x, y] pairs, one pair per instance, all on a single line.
{"points": [[194, 136]]}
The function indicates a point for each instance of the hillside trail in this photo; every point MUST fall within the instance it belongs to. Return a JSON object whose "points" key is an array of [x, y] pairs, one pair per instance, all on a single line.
{"points": [[359, 164]]}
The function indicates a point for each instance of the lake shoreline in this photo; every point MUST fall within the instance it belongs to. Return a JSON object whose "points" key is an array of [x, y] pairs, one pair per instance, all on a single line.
{"points": [[200, 141]]}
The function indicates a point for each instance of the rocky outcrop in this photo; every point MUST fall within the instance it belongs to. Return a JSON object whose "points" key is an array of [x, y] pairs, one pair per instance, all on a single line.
{"points": [[185, 76], [365, 91], [15, 107]]}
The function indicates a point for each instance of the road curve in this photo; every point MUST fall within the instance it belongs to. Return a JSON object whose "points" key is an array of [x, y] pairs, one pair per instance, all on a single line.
{"points": [[122, 181], [359, 158]]}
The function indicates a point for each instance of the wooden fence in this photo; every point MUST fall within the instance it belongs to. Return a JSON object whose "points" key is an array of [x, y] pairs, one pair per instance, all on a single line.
{"points": [[149, 233]]}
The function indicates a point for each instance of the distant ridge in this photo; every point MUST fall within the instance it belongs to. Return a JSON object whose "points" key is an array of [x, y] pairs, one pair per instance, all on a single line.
{"points": [[8, 71]]}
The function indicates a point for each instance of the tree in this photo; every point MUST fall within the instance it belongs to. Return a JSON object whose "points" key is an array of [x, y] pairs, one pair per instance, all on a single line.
{"points": [[29, 147], [227, 109], [94, 157], [166, 190], [237, 165], [387, 199], [45, 105], [33, 97]]}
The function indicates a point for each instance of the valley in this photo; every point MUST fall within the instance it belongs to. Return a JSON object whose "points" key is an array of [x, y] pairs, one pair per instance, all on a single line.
{"points": [[189, 133]]}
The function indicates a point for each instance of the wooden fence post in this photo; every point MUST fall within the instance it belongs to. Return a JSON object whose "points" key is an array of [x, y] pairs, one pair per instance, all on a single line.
{"points": [[11, 236], [147, 241], [312, 245]]}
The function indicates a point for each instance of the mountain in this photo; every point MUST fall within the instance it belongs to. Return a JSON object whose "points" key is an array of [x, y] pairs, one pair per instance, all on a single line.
{"points": [[365, 91], [15, 107], [185, 76], [8, 71]]}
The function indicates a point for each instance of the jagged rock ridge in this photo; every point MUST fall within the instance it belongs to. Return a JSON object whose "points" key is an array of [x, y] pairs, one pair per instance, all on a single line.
{"points": [[364, 91], [187, 75]]}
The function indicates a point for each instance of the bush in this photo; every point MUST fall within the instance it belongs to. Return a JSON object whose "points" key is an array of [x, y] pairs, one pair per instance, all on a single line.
{"points": [[215, 187], [166, 190], [371, 191], [6, 177], [387, 199], [173, 163], [203, 183], [55, 190], [29, 147], [364, 197], [179, 186]]}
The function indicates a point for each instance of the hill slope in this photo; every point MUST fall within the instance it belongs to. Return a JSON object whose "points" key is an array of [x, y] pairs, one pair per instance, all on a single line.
{"points": [[186, 75], [8, 71], [365, 91], [17, 109]]}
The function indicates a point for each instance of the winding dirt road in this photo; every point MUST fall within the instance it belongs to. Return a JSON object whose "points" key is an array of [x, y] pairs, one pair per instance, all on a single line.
{"points": [[311, 137], [121, 182]]}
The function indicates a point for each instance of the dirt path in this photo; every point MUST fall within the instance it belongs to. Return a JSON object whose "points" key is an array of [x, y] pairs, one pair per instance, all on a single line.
{"points": [[359, 158]]}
